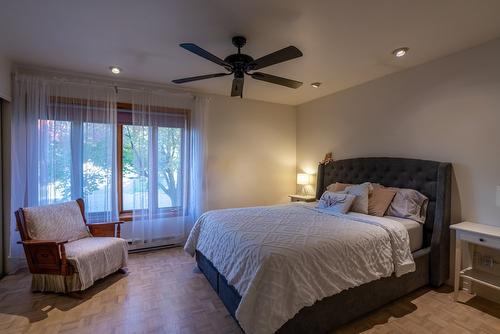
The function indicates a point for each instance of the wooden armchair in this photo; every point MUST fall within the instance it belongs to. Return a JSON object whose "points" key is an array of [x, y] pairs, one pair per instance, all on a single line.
{"points": [[49, 256]]}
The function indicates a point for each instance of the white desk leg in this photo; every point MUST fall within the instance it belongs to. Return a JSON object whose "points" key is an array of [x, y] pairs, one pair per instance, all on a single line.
{"points": [[458, 267]]}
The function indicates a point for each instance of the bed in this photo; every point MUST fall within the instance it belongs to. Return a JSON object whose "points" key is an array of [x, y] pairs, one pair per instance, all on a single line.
{"points": [[430, 255]]}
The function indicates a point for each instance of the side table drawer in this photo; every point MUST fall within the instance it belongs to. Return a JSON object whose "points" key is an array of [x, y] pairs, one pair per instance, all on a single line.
{"points": [[479, 239]]}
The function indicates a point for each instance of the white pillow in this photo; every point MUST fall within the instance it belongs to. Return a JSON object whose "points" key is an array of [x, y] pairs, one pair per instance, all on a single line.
{"points": [[361, 191], [337, 202]]}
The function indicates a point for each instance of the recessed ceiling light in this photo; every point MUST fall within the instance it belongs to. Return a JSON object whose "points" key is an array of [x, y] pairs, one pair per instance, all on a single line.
{"points": [[316, 84], [400, 52], [115, 69]]}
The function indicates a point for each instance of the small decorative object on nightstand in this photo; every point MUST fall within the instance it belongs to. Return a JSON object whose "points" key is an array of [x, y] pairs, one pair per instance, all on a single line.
{"points": [[475, 234], [328, 158], [302, 198]]}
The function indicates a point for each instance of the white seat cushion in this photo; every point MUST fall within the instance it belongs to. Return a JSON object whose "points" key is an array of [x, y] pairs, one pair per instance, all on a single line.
{"points": [[95, 258], [56, 222]]}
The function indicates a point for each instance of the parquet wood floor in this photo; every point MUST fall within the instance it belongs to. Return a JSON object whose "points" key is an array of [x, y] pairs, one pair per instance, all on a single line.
{"points": [[163, 293]]}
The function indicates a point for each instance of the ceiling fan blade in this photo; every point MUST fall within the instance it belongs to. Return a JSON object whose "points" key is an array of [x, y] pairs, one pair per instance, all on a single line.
{"points": [[199, 77], [276, 80], [279, 56], [237, 89], [205, 54]]}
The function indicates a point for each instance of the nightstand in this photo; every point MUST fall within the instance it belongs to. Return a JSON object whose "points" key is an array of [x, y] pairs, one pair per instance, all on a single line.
{"points": [[474, 234], [302, 198]]}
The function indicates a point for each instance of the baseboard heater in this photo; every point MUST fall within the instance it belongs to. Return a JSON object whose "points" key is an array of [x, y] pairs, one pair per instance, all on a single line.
{"points": [[148, 249]]}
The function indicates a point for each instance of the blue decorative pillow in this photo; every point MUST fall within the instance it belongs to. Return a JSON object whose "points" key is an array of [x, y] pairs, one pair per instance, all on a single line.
{"points": [[337, 202]]}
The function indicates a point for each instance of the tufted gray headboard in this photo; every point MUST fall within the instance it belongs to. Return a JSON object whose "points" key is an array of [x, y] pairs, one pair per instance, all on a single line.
{"points": [[431, 178]]}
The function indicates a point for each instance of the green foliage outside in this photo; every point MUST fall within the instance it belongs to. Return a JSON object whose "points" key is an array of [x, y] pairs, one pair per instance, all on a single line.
{"points": [[136, 159]]}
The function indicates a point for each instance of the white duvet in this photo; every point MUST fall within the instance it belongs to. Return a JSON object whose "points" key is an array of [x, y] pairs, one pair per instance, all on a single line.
{"points": [[283, 258]]}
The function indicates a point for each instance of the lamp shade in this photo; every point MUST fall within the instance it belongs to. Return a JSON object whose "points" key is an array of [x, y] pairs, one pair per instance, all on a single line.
{"points": [[303, 179]]}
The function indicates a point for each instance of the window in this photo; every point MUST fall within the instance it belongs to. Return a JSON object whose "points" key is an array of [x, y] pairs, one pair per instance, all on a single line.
{"points": [[54, 164], [141, 168], [75, 162], [151, 160], [170, 148], [97, 166], [135, 167]]}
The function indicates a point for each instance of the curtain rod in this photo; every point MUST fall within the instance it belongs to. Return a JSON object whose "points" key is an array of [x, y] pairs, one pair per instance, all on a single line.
{"points": [[89, 80]]}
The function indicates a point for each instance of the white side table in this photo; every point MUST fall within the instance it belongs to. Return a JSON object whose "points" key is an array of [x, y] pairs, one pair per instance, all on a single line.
{"points": [[475, 234]]}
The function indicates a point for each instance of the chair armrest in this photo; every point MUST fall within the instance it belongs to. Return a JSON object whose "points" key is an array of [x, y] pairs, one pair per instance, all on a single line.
{"points": [[42, 242], [47, 257], [105, 229]]}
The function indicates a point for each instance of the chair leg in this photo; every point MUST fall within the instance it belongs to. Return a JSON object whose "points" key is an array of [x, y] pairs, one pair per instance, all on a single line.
{"points": [[66, 286]]}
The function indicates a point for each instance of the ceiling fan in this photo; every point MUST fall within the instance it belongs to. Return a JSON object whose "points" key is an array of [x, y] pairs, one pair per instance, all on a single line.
{"points": [[240, 64]]}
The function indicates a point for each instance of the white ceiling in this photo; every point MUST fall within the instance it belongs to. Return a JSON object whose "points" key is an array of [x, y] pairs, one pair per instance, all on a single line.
{"points": [[345, 43]]}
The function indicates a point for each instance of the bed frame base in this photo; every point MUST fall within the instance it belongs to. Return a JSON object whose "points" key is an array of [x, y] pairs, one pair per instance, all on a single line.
{"points": [[334, 311]]}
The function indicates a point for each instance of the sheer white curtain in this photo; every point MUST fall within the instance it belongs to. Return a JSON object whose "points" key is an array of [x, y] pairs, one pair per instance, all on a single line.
{"points": [[163, 184], [63, 146], [198, 161]]}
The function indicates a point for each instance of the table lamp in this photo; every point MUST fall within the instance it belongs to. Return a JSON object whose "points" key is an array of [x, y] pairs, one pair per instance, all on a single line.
{"points": [[303, 180]]}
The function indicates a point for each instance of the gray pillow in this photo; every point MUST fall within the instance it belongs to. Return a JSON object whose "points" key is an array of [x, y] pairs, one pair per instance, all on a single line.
{"points": [[408, 203], [337, 202], [361, 191]]}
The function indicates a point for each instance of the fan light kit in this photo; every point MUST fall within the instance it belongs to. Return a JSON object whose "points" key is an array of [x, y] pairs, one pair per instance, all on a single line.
{"points": [[115, 69], [316, 84], [239, 64], [400, 52]]}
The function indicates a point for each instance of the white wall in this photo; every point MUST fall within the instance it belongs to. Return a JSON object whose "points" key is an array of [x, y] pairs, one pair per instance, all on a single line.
{"points": [[5, 78], [445, 110], [251, 153]]}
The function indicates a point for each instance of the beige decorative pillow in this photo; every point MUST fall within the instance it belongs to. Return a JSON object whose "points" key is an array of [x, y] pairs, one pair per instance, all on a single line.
{"points": [[379, 200], [361, 191], [62, 222]]}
